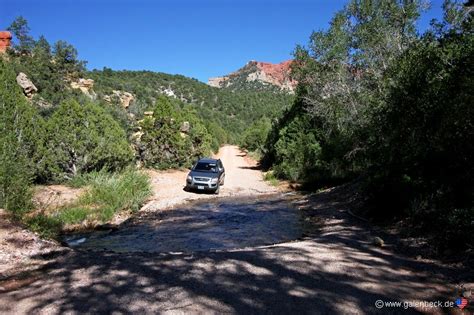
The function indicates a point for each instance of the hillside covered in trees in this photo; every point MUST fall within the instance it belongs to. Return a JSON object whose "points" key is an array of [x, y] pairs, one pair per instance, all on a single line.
{"points": [[63, 124], [233, 111]]}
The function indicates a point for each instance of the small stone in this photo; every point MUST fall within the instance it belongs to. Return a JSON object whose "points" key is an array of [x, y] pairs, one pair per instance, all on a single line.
{"points": [[378, 241]]}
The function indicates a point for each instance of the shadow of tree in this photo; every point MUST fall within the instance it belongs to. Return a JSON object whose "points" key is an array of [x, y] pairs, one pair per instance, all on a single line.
{"points": [[334, 270]]}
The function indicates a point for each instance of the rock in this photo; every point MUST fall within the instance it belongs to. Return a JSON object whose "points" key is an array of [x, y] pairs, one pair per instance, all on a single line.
{"points": [[169, 92], [85, 85], [124, 98], [28, 87], [185, 126], [136, 136], [148, 114], [378, 241], [42, 103], [265, 73], [5, 41]]}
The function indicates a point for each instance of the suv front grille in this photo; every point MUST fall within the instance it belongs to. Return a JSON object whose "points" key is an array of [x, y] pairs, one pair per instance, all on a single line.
{"points": [[202, 179]]}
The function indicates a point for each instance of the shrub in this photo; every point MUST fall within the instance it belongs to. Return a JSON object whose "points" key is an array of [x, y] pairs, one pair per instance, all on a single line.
{"points": [[16, 125], [107, 193], [84, 138], [164, 145], [255, 136]]}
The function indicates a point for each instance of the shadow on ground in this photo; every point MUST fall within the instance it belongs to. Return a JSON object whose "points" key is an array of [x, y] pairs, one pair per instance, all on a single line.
{"points": [[334, 270]]}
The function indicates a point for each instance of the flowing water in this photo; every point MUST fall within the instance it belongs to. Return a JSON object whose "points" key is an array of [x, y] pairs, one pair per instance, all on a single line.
{"points": [[212, 224]]}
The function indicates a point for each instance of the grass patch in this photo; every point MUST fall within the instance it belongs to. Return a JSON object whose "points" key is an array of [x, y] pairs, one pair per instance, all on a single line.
{"points": [[46, 226], [271, 178], [106, 194], [255, 155]]}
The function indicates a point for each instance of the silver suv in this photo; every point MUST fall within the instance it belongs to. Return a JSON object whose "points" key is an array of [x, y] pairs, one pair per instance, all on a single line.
{"points": [[206, 175]]}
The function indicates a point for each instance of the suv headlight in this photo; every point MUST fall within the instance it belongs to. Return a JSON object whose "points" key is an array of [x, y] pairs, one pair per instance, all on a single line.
{"points": [[214, 180], [190, 178]]}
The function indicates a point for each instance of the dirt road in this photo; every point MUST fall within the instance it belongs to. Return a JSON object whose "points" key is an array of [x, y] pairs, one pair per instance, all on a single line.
{"points": [[334, 270], [242, 179]]}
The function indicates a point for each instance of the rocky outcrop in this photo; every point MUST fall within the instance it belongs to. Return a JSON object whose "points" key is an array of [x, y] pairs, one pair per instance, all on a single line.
{"points": [[85, 85], [124, 98], [5, 41], [217, 81], [169, 92], [29, 89], [266, 73]]}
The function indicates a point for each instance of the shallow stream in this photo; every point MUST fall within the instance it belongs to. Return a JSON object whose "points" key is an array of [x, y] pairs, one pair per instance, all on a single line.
{"points": [[211, 224]]}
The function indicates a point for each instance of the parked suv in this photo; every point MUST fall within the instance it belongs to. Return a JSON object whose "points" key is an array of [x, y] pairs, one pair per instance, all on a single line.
{"points": [[206, 175]]}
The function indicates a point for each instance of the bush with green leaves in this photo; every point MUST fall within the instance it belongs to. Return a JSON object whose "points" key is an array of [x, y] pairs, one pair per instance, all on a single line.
{"points": [[255, 136], [105, 194], [17, 125], [165, 144], [376, 101], [84, 138], [422, 147]]}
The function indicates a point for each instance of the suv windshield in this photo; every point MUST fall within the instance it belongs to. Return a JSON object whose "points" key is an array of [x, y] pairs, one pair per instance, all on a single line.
{"points": [[206, 167]]}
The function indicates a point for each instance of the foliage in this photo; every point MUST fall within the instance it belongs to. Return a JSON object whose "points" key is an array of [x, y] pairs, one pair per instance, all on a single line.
{"points": [[228, 113], [110, 193], [16, 126], [46, 226], [255, 136], [166, 143], [423, 135], [20, 30], [340, 82], [271, 178], [379, 102], [50, 69], [83, 138], [106, 194]]}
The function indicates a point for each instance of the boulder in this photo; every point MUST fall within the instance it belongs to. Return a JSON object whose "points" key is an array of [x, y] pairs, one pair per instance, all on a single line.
{"points": [[124, 98], [85, 85], [28, 87]]}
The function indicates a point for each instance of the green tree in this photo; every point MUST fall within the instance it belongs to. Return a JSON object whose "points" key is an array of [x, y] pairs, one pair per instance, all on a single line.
{"points": [[255, 136], [173, 137], [83, 138], [21, 30], [66, 62]]}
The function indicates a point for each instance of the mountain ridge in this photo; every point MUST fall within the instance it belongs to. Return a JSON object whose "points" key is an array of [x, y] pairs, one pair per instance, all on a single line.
{"points": [[258, 75]]}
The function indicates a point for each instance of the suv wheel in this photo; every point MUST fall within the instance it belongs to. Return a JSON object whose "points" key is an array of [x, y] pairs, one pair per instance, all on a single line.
{"points": [[217, 189]]}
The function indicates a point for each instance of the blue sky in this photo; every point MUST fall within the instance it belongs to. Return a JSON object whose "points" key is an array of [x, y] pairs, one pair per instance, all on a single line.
{"points": [[199, 39]]}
